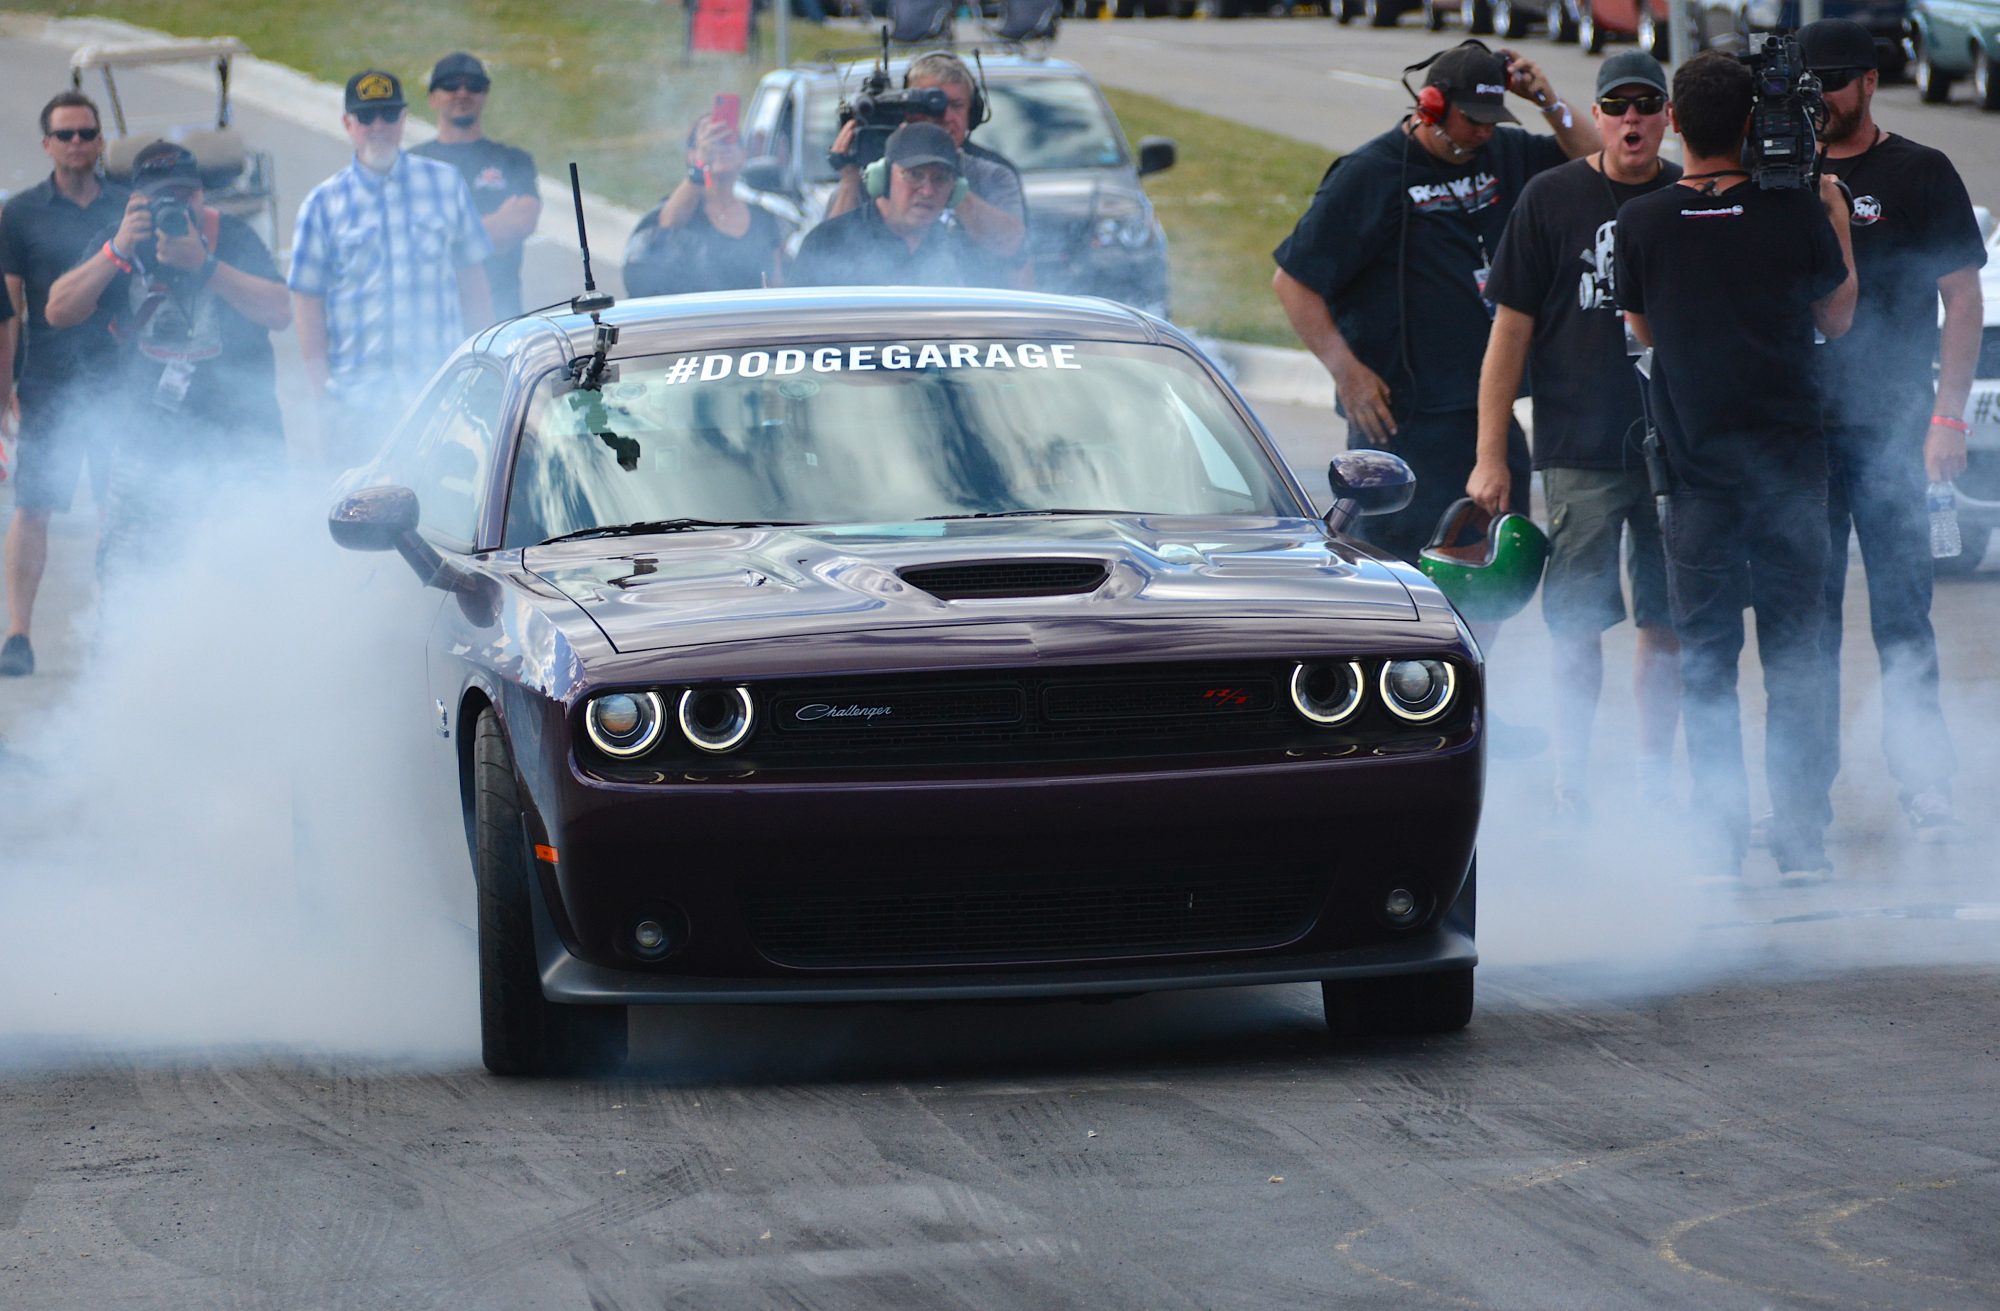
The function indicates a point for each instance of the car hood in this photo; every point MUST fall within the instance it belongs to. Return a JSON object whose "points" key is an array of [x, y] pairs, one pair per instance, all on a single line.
{"points": [[1071, 193], [698, 588]]}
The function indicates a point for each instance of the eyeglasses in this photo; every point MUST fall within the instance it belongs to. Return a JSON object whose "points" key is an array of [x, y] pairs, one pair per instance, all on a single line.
{"points": [[367, 117], [69, 134], [1837, 79], [1615, 106], [476, 85]]}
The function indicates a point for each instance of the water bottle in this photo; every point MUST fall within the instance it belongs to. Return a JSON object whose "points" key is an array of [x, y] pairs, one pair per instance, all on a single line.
{"points": [[1943, 501]]}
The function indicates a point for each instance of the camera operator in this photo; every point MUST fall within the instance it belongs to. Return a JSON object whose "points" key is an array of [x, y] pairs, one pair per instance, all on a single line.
{"points": [[994, 212], [194, 297], [702, 237], [1383, 277], [896, 239], [1568, 332], [1888, 434], [1727, 281]]}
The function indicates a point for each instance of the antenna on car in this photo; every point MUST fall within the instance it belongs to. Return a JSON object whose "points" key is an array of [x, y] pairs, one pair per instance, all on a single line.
{"points": [[589, 370]]}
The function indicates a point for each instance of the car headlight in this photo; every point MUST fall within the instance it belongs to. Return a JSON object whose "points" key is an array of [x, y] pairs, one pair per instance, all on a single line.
{"points": [[716, 718], [1121, 219], [624, 724], [1328, 692], [1418, 690]]}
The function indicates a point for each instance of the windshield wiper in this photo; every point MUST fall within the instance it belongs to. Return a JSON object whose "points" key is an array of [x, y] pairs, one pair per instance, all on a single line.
{"points": [[645, 526], [1017, 514]]}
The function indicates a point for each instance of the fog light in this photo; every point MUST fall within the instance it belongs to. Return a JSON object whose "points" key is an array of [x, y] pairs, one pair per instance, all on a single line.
{"points": [[1402, 907], [649, 938]]}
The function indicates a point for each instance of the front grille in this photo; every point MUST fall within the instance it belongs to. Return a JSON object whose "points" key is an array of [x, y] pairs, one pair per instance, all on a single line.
{"points": [[999, 919], [1000, 578]]}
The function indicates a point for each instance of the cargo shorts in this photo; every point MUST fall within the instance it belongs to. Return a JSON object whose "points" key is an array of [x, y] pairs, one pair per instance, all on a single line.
{"points": [[1592, 513]]}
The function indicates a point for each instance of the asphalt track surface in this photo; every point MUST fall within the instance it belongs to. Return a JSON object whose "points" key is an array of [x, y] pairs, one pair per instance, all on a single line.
{"points": [[1675, 1093]]}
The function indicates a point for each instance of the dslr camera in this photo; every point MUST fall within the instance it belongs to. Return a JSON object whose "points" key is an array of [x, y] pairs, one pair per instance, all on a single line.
{"points": [[1787, 114], [880, 109], [172, 217]]}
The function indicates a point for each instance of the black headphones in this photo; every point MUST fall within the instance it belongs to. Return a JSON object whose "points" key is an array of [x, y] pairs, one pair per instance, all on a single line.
{"points": [[976, 108]]}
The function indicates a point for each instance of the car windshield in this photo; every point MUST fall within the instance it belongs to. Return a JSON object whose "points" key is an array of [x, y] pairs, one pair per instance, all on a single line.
{"points": [[1038, 123], [887, 432]]}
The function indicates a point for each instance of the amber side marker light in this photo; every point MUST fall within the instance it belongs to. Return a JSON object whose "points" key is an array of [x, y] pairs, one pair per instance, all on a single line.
{"points": [[545, 852]]}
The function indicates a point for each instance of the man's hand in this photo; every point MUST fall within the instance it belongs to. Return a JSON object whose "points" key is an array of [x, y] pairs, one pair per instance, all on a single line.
{"points": [[1491, 486], [1365, 397], [843, 142], [1944, 453], [1526, 79], [1839, 209], [719, 150], [186, 252], [136, 228]]}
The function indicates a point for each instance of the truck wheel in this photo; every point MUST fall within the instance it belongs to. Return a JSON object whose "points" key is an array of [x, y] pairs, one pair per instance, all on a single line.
{"points": [[1509, 21], [1589, 35], [1933, 87], [1652, 34], [520, 1030], [1562, 21], [1985, 81], [1398, 1006], [1477, 15]]}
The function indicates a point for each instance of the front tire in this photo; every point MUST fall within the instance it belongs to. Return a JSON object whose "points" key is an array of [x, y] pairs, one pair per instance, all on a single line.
{"points": [[1399, 1006], [1562, 21], [1589, 35], [1933, 86], [1985, 81], [1652, 34], [521, 1031]]}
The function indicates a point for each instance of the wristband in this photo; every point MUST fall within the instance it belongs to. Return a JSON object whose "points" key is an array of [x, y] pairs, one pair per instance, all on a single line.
{"points": [[111, 253], [1561, 107], [1946, 421]]}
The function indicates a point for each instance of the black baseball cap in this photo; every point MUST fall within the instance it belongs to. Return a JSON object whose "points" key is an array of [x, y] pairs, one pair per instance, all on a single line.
{"points": [[1836, 43], [164, 166], [916, 144], [1631, 68], [1474, 79], [460, 64], [372, 88]]}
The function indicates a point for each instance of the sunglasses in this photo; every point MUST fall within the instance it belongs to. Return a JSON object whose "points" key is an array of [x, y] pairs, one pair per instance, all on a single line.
{"points": [[68, 134], [1615, 106], [385, 114], [1837, 79], [476, 85]]}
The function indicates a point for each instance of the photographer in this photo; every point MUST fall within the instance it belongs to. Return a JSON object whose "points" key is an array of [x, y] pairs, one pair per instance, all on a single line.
{"points": [[1571, 336], [194, 298], [1916, 241], [994, 212], [895, 239], [702, 237], [1727, 281]]}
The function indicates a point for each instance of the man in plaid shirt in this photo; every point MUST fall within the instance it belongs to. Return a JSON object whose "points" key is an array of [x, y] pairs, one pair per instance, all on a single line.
{"points": [[386, 274]]}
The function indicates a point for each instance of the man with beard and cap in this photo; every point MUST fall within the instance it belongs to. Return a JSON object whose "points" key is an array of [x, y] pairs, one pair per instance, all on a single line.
{"points": [[387, 273], [504, 183], [1556, 317], [195, 298], [42, 233], [1728, 281], [896, 238], [1889, 430]]}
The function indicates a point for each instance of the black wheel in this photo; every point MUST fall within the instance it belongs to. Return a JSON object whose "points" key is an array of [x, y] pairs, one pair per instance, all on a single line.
{"points": [[1381, 13], [1346, 11], [1562, 20], [1509, 21], [1398, 1006], [1477, 15], [1434, 17], [1933, 87], [520, 1030], [1588, 34], [1652, 34], [1985, 81]]}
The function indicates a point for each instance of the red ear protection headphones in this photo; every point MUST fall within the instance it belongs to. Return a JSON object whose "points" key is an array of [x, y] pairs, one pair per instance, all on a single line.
{"points": [[1430, 105]]}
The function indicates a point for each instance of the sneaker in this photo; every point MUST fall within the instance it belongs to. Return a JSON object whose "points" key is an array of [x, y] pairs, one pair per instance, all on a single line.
{"points": [[1506, 741], [1930, 816], [17, 657], [1805, 874]]}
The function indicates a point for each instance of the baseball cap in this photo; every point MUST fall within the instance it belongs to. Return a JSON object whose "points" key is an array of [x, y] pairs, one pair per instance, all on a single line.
{"points": [[459, 64], [1631, 68], [915, 144], [1836, 43], [372, 88], [1474, 79], [163, 166]]}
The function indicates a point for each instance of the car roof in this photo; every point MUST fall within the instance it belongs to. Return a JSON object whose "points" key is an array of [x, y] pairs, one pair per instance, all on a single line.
{"points": [[675, 324]]}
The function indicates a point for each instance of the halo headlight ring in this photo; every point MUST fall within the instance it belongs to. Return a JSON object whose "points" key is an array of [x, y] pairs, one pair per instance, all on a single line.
{"points": [[716, 719], [652, 721], [1443, 690], [1317, 710]]}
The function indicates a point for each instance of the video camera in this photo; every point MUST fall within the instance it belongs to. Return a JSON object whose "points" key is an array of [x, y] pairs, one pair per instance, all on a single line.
{"points": [[1787, 114], [880, 109]]}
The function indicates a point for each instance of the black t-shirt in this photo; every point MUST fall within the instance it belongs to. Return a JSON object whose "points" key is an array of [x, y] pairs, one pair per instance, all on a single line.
{"points": [[696, 257], [1555, 264], [190, 355], [1351, 245], [858, 249], [494, 173], [1913, 223], [1727, 284], [43, 235]]}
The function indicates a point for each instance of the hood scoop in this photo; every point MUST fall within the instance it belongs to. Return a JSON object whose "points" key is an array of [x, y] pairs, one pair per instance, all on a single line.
{"points": [[997, 579]]}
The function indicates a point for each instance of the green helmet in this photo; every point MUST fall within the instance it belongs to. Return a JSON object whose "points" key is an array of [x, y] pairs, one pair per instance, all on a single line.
{"points": [[1486, 567]]}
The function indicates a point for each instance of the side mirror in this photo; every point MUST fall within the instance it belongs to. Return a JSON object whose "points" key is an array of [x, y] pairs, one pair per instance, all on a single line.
{"points": [[764, 173], [1156, 155], [374, 518], [1367, 482]]}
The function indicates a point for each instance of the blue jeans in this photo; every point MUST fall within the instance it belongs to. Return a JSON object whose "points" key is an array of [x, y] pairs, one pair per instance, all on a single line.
{"points": [[1775, 547]]}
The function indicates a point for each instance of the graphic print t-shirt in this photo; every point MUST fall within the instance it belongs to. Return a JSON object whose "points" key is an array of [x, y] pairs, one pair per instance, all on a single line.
{"points": [[1913, 223], [1352, 248], [494, 172], [1555, 264]]}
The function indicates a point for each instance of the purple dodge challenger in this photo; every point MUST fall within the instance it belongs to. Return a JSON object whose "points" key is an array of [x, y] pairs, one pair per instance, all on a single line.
{"points": [[873, 645]]}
